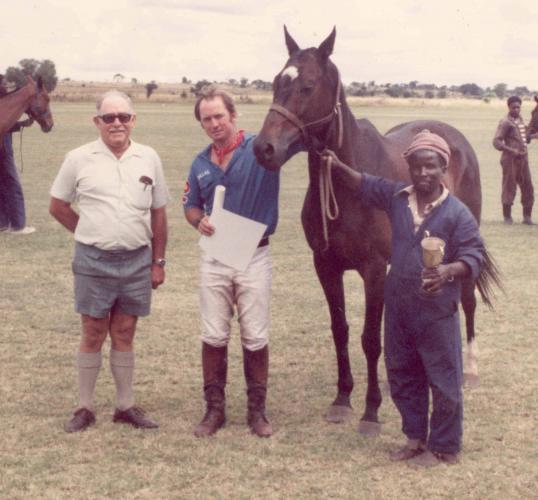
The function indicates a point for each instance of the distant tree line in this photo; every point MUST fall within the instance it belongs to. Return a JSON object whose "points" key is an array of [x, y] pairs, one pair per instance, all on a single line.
{"points": [[47, 70], [403, 90], [430, 90]]}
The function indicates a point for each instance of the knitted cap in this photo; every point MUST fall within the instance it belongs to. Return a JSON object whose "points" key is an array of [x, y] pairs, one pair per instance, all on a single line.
{"points": [[431, 141]]}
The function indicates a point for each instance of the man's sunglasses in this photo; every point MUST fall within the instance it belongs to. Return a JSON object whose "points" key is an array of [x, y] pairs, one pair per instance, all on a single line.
{"points": [[111, 118]]}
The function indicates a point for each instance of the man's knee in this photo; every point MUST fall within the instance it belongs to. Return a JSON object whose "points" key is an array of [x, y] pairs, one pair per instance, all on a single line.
{"points": [[214, 340], [122, 331], [94, 332], [254, 343]]}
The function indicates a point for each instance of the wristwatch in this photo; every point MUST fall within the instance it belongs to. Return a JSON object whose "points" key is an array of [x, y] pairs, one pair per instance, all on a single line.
{"points": [[160, 262]]}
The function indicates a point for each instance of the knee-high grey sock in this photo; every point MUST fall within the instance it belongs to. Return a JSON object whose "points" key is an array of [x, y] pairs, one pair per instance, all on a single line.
{"points": [[122, 367], [88, 365]]}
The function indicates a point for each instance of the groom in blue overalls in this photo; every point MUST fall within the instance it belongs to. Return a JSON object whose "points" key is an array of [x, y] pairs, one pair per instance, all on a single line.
{"points": [[422, 333]]}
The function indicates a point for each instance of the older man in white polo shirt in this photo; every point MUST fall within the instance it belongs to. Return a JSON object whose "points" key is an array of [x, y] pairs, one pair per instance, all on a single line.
{"points": [[120, 232]]}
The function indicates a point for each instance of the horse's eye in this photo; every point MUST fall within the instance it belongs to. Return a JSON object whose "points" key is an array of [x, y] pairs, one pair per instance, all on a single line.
{"points": [[306, 91]]}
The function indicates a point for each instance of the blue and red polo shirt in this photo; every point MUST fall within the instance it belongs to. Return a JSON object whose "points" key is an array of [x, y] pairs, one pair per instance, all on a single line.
{"points": [[251, 190]]}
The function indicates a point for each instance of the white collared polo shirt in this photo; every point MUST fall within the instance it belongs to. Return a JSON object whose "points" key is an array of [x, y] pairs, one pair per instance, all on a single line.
{"points": [[114, 196]]}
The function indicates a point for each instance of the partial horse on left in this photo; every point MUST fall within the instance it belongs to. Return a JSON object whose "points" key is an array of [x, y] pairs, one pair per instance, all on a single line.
{"points": [[32, 99]]}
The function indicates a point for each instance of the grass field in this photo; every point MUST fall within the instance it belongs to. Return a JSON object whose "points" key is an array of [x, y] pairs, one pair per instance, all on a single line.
{"points": [[306, 457]]}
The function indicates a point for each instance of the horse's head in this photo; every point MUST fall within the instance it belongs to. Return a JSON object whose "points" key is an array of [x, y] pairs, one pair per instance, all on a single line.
{"points": [[305, 95], [39, 108], [533, 124]]}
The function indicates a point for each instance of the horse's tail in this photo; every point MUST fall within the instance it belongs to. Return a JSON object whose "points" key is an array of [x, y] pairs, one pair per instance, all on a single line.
{"points": [[489, 275]]}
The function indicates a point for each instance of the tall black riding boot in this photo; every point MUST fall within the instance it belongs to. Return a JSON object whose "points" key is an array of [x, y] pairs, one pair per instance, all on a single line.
{"points": [[507, 214], [214, 364], [256, 367], [527, 211]]}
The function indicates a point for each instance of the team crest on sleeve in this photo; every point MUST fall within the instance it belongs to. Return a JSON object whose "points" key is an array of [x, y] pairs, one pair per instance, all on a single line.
{"points": [[186, 191]]}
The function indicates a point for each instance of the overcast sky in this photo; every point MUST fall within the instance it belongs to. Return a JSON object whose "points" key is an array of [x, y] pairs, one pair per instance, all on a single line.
{"points": [[444, 42]]}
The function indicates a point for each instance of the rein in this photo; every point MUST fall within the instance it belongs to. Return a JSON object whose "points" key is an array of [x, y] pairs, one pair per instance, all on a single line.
{"points": [[328, 204]]}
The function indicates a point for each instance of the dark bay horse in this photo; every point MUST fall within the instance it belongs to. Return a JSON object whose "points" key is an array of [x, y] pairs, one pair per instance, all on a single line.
{"points": [[31, 99], [309, 106]]}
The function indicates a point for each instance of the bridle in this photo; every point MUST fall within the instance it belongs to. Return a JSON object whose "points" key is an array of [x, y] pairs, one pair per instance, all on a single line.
{"points": [[326, 188], [303, 127]]}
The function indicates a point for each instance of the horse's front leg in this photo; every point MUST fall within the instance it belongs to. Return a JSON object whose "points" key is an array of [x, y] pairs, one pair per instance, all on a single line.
{"points": [[373, 275], [330, 276]]}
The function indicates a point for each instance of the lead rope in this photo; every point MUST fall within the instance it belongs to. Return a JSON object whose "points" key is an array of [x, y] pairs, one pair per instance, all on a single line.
{"points": [[328, 205], [326, 187]]}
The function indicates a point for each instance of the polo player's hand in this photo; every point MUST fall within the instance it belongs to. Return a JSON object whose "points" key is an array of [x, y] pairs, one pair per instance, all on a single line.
{"points": [[157, 276], [205, 227]]}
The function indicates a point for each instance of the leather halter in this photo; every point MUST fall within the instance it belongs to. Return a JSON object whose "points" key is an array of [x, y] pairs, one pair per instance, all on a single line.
{"points": [[303, 127]]}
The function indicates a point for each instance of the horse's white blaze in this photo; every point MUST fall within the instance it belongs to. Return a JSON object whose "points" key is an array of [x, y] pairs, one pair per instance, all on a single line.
{"points": [[290, 71]]}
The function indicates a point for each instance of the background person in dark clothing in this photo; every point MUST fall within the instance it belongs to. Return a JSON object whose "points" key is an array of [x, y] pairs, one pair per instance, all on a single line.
{"points": [[12, 212], [511, 138]]}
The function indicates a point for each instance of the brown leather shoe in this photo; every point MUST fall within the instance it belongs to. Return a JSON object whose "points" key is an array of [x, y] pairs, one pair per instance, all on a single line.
{"points": [[411, 449], [81, 420], [259, 424], [134, 416], [213, 420]]}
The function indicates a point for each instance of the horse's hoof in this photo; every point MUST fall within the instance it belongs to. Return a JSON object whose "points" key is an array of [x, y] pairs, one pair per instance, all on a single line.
{"points": [[471, 381], [339, 414], [367, 428]]}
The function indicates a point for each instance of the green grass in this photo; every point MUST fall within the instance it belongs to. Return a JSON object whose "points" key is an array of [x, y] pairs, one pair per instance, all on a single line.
{"points": [[306, 458]]}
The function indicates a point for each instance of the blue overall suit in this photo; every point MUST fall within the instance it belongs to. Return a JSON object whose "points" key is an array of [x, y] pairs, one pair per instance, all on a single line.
{"points": [[422, 332]]}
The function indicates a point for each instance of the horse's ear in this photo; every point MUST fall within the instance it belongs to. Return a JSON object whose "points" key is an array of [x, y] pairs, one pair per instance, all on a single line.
{"points": [[536, 98], [40, 82], [290, 42], [327, 46]]}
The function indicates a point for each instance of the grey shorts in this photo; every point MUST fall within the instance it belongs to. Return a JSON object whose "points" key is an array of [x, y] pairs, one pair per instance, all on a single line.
{"points": [[112, 281]]}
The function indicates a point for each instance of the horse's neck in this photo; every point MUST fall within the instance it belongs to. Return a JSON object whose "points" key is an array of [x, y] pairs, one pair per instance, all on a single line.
{"points": [[13, 105], [357, 146]]}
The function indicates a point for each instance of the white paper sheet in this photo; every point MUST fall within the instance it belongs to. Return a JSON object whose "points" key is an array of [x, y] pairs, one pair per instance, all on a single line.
{"points": [[235, 238]]}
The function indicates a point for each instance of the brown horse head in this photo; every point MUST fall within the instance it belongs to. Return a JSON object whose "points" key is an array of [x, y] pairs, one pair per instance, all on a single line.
{"points": [[304, 102], [39, 108], [533, 124]]}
